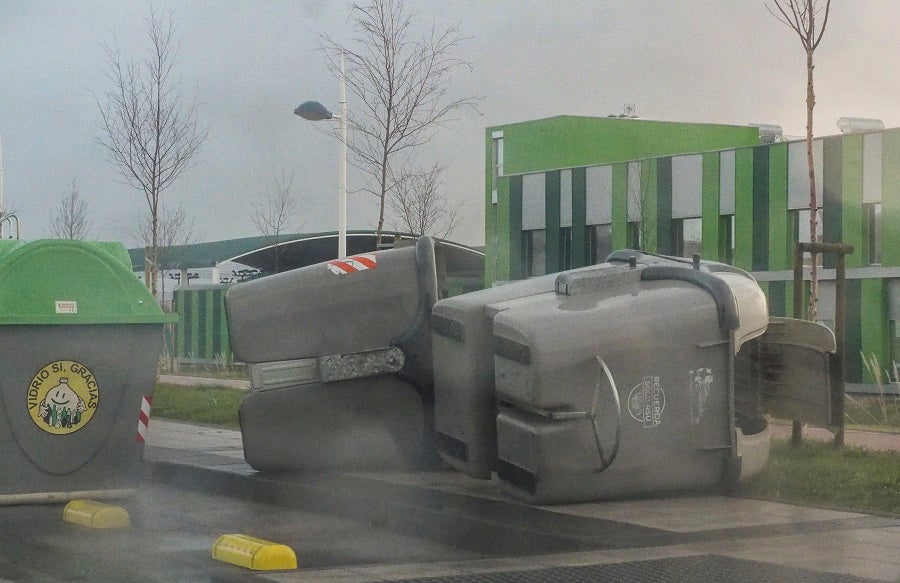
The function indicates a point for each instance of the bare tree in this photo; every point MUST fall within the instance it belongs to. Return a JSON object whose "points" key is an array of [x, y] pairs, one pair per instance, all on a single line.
{"points": [[149, 130], [401, 84], [277, 214], [173, 228], [71, 219], [800, 16], [421, 206]]}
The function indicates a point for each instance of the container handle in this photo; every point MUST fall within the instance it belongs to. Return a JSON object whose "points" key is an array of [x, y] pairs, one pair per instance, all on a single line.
{"points": [[604, 461]]}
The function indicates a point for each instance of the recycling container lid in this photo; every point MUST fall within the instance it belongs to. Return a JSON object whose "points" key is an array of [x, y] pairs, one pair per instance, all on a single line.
{"points": [[59, 281]]}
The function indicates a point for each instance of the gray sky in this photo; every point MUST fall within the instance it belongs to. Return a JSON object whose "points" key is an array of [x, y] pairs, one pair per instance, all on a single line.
{"points": [[249, 63]]}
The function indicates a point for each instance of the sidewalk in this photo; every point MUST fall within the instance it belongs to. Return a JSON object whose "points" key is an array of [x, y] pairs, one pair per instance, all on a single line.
{"points": [[682, 538], [873, 440], [869, 439], [192, 381]]}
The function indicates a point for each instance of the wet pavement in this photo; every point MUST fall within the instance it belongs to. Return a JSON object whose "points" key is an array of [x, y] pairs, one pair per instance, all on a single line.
{"points": [[443, 526]]}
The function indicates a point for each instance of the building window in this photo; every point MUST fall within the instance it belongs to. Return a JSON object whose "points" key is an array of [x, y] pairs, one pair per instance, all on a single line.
{"points": [[633, 235], [496, 164], [534, 252], [873, 228], [565, 248], [726, 239], [687, 234], [801, 228], [599, 243], [802, 224], [497, 156]]}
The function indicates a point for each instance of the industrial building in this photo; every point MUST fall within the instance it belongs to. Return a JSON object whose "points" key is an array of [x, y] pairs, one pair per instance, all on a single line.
{"points": [[565, 191]]}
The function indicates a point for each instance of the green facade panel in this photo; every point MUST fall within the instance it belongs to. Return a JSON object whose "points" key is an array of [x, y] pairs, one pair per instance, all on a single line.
{"points": [[852, 200], [761, 203], [779, 221], [743, 208], [853, 331], [202, 334], [515, 263], [710, 239], [579, 251], [649, 187], [832, 198], [552, 212], [875, 323], [661, 213], [777, 298], [570, 141], [890, 193], [619, 205]]}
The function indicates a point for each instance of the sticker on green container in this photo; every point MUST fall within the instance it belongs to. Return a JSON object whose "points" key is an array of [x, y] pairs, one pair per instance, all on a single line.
{"points": [[63, 397]]}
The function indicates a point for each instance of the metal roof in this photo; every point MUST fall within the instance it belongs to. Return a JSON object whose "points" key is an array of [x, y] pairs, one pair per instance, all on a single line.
{"points": [[293, 250], [209, 254]]}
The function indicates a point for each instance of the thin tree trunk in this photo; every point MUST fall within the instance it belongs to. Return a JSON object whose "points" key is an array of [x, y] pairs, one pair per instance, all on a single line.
{"points": [[154, 249], [813, 198], [382, 198]]}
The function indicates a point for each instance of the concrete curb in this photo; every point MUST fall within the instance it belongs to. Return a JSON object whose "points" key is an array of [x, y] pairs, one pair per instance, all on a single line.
{"points": [[189, 381]]}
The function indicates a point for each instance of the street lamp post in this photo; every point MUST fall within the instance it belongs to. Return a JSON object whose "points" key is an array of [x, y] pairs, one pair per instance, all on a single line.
{"points": [[315, 111]]}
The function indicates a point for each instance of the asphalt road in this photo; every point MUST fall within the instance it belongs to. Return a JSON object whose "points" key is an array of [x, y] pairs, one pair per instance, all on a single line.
{"points": [[172, 535], [364, 527]]}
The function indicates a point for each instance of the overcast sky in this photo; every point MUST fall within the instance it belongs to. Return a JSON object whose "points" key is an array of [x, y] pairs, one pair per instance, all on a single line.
{"points": [[249, 63]]}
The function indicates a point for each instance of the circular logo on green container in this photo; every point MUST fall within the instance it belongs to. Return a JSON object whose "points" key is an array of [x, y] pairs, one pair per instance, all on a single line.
{"points": [[63, 397]]}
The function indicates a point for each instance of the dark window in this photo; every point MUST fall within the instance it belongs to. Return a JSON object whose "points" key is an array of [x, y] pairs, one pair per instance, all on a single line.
{"points": [[801, 228], [633, 235], [726, 239], [599, 243], [534, 252], [687, 236], [565, 248], [873, 228]]}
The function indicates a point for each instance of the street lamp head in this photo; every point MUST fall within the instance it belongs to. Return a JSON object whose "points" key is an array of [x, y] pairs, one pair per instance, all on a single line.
{"points": [[313, 111]]}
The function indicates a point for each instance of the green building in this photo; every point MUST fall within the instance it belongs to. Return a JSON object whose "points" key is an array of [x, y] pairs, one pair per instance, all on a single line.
{"points": [[564, 192]]}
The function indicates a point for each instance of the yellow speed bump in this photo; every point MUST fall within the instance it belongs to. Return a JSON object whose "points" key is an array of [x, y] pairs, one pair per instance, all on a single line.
{"points": [[96, 514], [253, 553]]}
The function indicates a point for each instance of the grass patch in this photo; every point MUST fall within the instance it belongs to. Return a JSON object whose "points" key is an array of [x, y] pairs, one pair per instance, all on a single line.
{"points": [[209, 405], [878, 412], [820, 475], [881, 410]]}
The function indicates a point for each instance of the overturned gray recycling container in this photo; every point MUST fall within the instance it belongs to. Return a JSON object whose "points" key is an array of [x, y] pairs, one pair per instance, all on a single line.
{"points": [[465, 414], [80, 340], [622, 382], [464, 402], [465, 411], [340, 361]]}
